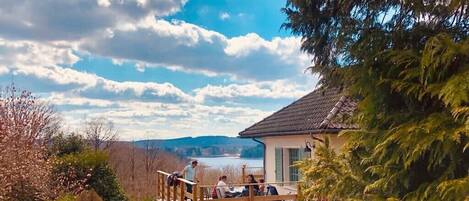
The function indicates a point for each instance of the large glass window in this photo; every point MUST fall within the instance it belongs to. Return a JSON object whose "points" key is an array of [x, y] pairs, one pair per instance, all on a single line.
{"points": [[293, 156]]}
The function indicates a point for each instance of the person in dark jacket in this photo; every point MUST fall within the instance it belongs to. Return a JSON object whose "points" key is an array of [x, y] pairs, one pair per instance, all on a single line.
{"points": [[251, 180]]}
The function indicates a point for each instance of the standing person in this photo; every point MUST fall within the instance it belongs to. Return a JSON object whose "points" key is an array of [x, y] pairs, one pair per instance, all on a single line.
{"points": [[189, 173]]}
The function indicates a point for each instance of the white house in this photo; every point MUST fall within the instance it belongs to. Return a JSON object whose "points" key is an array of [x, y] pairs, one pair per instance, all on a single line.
{"points": [[286, 133]]}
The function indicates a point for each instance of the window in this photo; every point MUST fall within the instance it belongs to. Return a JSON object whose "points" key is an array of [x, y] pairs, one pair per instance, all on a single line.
{"points": [[293, 156], [279, 164]]}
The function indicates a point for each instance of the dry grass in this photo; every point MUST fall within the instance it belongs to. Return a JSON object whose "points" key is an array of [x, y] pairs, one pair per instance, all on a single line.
{"points": [[136, 168], [209, 176]]}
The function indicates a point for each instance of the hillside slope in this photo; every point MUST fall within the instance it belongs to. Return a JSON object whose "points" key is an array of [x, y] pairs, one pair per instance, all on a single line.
{"points": [[202, 141], [200, 146]]}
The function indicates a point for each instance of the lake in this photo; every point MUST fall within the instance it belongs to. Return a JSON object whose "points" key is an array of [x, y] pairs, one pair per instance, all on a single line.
{"points": [[219, 162]]}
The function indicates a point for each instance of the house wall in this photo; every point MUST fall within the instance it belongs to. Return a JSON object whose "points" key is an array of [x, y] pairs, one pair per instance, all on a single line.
{"points": [[287, 142]]}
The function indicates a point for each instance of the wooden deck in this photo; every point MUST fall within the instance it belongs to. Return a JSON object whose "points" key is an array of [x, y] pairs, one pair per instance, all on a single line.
{"points": [[165, 192]]}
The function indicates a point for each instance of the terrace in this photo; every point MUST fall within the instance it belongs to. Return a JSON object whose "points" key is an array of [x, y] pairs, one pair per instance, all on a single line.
{"points": [[200, 192]]}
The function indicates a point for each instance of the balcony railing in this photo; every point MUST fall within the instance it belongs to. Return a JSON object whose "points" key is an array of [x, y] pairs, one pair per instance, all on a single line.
{"points": [[178, 192]]}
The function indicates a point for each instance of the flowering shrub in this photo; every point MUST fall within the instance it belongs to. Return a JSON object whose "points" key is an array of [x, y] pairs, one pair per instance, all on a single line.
{"points": [[24, 165]]}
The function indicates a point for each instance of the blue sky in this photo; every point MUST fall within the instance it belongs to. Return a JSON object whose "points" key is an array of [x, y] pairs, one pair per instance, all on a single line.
{"points": [[155, 68], [236, 17]]}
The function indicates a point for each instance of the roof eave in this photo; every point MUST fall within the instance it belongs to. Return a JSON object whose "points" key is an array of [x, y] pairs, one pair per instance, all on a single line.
{"points": [[287, 133]]}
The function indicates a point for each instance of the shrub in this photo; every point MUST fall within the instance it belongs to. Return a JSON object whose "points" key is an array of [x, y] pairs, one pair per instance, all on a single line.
{"points": [[89, 195], [25, 122], [66, 197], [92, 169], [62, 145]]}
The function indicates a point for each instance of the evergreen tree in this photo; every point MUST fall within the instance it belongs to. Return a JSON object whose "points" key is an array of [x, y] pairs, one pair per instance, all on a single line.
{"points": [[407, 63]]}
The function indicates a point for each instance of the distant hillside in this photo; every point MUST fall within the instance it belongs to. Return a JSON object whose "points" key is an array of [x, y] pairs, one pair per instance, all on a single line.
{"points": [[201, 146], [202, 141]]}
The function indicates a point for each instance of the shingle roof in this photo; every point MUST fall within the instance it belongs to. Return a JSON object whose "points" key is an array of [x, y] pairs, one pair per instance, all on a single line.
{"points": [[319, 111]]}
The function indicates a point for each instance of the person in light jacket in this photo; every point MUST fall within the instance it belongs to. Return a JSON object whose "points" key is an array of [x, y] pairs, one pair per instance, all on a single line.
{"points": [[189, 173]]}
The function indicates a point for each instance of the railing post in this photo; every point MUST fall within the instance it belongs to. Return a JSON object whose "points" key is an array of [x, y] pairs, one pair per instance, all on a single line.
{"points": [[243, 174], [183, 191], [201, 192], [162, 188], [175, 196], [299, 195], [157, 185], [251, 193], [194, 192], [168, 193]]}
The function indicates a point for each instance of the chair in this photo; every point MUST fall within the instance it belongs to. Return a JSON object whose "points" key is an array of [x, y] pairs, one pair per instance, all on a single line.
{"points": [[207, 193], [219, 193]]}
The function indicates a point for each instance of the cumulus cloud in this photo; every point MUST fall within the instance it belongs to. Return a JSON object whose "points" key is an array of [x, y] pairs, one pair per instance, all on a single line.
{"points": [[187, 46], [138, 119], [133, 30], [137, 108], [273, 90], [74, 19], [148, 91], [66, 99], [25, 53], [39, 67]]}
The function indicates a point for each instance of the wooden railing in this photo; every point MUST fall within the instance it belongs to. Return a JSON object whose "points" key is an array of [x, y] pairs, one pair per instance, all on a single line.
{"points": [[173, 193], [165, 192], [257, 172]]}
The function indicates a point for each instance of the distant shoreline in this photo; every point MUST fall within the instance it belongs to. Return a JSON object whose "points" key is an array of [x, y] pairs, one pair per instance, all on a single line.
{"points": [[233, 161], [224, 156]]}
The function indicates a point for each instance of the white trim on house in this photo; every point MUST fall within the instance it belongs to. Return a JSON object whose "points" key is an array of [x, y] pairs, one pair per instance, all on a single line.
{"points": [[290, 142]]}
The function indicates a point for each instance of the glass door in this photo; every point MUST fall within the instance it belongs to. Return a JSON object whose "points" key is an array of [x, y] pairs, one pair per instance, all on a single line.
{"points": [[293, 156]]}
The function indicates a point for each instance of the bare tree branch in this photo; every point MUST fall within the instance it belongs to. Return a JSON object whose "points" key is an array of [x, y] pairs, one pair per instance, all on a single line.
{"points": [[100, 133]]}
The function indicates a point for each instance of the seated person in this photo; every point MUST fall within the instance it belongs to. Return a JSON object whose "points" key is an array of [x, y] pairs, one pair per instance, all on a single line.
{"points": [[261, 187], [223, 188], [251, 180]]}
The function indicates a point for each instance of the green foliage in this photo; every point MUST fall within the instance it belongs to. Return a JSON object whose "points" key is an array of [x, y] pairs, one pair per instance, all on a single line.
{"points": [[62, 145], [407, 63], [252, 152], [89, 195], [329, 175], [92, 168], [66, 197], [146, 199]]}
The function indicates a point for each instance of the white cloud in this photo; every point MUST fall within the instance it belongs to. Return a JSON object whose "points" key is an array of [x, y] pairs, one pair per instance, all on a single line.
{"points": [[131, 31], [32, 53], [224, 16], [104, 3], [138, 120], [138, 109], [4, 70], [148, 91], [34, 65], [273, 90], [67, 99], [189, 47], [39, 63], [74, 19]]}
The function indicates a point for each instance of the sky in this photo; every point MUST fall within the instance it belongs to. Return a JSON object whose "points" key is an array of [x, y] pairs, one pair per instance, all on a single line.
{"points": [[155, 68]]}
